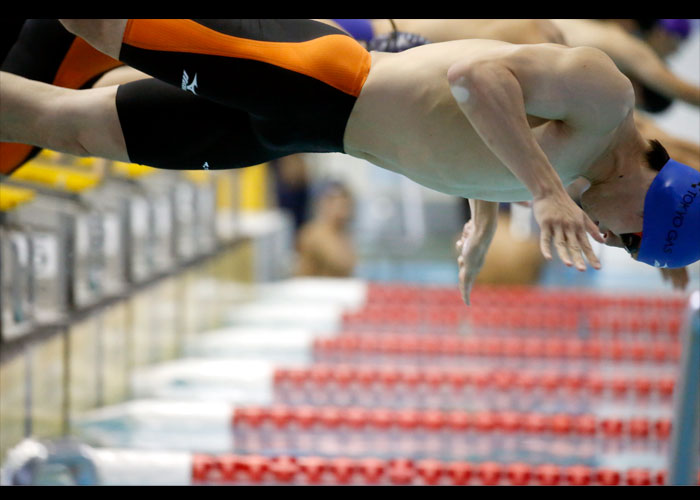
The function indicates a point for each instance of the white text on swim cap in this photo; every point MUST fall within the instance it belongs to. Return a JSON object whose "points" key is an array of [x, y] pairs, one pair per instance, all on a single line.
{"points": [[678, 219]]}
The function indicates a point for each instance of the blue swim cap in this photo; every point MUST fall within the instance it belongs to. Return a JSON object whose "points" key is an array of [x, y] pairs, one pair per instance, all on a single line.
{"points": [[671, 230]]}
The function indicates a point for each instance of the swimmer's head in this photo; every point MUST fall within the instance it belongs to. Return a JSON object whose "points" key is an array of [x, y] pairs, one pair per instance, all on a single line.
{"points": [[680, 28], [666, 35], [671, 233], [657, 220], [334, 202]]}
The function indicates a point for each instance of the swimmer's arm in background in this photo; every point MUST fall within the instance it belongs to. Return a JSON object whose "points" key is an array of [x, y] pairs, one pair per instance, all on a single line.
{"points": [[498, 90], [680, 149], [474, 243], [638, 60]]}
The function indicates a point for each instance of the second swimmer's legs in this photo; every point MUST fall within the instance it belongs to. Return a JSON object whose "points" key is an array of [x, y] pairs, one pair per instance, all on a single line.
{"points": [[78, 122], [104, 34], [145, 121]]}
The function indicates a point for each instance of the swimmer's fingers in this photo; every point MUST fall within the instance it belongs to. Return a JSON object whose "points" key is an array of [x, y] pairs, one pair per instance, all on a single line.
{"points": [[462, 279], [592, 229], [565, 225], [546, 241], [466, 281], [467, 276], [461, 244], [464, 287], [460, 263], [588, 251], [575, 244], [466, 233], [574, 248], [466, 294], [470, 259], [560, 245], [553, 234], [468, 229], [578, 244], [571, 244]]}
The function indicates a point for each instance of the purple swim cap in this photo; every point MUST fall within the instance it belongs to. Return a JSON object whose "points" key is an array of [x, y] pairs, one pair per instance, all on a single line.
{"points": [[680, 27], [359, 29]]}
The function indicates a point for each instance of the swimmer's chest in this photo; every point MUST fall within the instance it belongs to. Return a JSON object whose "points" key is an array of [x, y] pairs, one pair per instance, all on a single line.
{"points": [[461, 164]]}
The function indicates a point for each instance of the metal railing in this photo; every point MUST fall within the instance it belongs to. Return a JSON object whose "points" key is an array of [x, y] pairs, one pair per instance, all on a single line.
{"points": [[685, 438]]}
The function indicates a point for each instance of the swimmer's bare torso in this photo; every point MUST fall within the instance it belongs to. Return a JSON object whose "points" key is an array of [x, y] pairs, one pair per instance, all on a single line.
{"points": [[407, 120]]}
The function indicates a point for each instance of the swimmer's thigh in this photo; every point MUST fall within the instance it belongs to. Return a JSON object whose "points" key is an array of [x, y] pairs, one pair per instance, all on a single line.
{"points": [[78, 122], [165, 127]]}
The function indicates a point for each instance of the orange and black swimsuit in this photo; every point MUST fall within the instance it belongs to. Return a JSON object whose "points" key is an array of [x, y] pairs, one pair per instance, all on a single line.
{"points": [[227, 93], [45, 51], [241, 91]]}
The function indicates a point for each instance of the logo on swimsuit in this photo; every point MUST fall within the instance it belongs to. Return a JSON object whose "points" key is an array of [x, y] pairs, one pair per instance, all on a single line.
{"points": [[186, 85], [206, 165]]}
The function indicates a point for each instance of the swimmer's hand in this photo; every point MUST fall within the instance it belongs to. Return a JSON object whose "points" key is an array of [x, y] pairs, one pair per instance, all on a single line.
{"points": [[562, 221], [471, 253], [678, 277]]}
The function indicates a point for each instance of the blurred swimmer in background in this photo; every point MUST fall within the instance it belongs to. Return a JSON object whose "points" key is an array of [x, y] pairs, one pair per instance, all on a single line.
{"points": [[324, 244], [640, 59]]}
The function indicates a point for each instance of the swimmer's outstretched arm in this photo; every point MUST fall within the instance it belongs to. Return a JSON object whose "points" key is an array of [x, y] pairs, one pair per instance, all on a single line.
{"points": [[474, 243], [580, 87], [638, 60], [680, 149]]}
